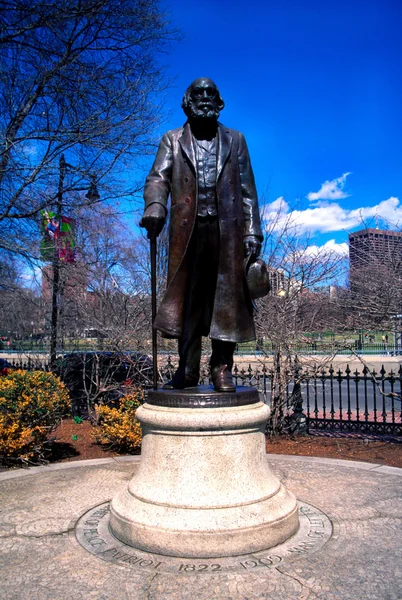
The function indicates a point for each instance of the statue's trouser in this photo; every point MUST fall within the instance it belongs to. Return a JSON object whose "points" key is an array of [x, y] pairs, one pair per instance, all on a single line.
{"points": [[202, 258], [204, 487]]}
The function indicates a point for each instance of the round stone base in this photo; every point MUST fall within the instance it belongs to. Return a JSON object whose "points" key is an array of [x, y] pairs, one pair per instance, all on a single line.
{"points": [[204, 487], [93, 533]]}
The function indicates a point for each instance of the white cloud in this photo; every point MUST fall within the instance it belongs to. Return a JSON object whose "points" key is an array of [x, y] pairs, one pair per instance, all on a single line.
{"points": [[275, 210], [330, 246], [330, 190], [330, 217]]}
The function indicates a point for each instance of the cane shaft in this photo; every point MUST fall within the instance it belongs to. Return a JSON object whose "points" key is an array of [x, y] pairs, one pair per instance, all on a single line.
{"points": [[153, 296]]}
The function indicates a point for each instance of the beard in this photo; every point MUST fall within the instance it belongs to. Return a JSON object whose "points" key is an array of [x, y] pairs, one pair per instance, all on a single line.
{"points": [[209, 112]]}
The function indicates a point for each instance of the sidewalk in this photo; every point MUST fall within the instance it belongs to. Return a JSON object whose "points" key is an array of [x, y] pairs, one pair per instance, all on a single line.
{"points": [[243, 361], [338, 362], [357, 557]]}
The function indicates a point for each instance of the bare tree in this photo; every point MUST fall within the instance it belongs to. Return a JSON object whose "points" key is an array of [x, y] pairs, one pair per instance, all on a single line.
{"points": [[105, 293], [302, 299], [20, 304], [78, 77]]}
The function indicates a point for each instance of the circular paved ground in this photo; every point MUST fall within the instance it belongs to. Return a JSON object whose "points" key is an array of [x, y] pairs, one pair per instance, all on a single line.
{"points": [[44, 510]]}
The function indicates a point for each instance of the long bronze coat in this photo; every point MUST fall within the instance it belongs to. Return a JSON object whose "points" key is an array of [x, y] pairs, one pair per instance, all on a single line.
{"points": [[174, 173]]}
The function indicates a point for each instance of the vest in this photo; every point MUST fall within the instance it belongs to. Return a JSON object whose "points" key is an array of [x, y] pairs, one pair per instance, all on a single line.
{"points": [[206, 175]]}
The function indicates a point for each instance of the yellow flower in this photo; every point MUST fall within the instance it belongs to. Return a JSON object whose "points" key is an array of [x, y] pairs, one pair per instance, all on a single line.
{"points": [[31, 405], [118, 428]]}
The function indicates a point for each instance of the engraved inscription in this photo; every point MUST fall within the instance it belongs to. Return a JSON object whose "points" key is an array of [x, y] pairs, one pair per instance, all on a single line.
{"points": [[203, 397], [315, 533], [92, 537], [202, 567], [130, 559], [92, 532], [267, 561]]}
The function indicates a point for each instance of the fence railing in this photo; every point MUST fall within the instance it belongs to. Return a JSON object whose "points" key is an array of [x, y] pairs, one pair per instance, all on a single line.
{"points": [[321, 348], [314, 348], [345, 401], [360, 401]]}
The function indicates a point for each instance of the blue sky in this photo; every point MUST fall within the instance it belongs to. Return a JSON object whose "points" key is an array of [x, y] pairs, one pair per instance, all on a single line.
{"points": [[315, 86]]}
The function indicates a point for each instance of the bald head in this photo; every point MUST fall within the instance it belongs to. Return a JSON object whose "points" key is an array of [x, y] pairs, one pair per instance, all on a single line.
{"points": [[202, 100], [202, 82]]}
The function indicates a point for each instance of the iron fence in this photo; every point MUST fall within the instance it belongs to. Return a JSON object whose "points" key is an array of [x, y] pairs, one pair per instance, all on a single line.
{"points": [[363, 401], [343, 401], [360, 401], [308, 348]]}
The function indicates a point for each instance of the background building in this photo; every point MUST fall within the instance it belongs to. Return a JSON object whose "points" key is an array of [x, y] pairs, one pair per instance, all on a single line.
{"points": [[375, 247], [375, 274], [277, 280]]}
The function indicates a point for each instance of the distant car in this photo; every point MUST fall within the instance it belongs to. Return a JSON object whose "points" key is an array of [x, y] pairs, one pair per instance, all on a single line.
{"points": [[5, 367], [95, 377]]}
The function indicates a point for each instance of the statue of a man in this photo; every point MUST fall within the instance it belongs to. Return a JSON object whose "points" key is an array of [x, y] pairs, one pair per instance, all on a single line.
{"points": [[214, 224]]}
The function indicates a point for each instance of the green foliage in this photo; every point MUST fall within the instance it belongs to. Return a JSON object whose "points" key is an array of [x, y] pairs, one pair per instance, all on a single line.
{"points": [[31, 405]]}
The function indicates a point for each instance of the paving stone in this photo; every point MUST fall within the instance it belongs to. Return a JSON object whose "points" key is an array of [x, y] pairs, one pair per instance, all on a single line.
{"points": [[41, 559]]}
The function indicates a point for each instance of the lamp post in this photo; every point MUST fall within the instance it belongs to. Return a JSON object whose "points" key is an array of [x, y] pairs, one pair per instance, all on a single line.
{"points": [[93, 196], [56, 267]]}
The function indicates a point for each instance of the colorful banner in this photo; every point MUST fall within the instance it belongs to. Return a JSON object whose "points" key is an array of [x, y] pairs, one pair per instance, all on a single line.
{"points": [[67, 240], [58, 237], [50, 231]]}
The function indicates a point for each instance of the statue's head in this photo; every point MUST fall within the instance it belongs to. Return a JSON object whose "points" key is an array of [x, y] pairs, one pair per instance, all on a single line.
{"points": [[202, 100]]}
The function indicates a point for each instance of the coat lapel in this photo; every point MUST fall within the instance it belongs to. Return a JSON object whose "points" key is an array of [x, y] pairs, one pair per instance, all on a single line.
{"points": [[186, 143], [224, 148]]}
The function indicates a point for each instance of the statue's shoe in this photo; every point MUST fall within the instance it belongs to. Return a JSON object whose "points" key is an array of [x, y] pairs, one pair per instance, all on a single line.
{"points": [[180, 383], [222, 379]]}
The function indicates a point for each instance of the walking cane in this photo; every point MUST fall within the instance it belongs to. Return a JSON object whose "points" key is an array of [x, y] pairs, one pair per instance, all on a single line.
{"points": [[152, 239]]}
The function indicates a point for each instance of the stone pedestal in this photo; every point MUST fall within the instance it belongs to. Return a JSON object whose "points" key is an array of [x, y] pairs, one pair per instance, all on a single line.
{"points": [[204, 487]]}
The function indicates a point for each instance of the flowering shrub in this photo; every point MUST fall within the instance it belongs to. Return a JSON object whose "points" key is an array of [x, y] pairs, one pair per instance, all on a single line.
{"points": [[118, 428], [31, 405]]}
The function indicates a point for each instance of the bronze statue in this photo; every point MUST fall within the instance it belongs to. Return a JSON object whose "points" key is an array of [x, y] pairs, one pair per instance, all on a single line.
{"points": [[214, 224]]}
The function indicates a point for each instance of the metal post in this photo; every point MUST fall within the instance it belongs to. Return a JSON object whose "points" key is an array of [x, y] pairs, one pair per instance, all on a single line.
{"points": [[56, 268], [298, 420], [152, 240]]}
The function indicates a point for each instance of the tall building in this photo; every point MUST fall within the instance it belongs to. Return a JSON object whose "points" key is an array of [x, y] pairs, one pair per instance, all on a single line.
{"points": [[73, 281], [375, 247], [73, 295], [376, 273]]}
